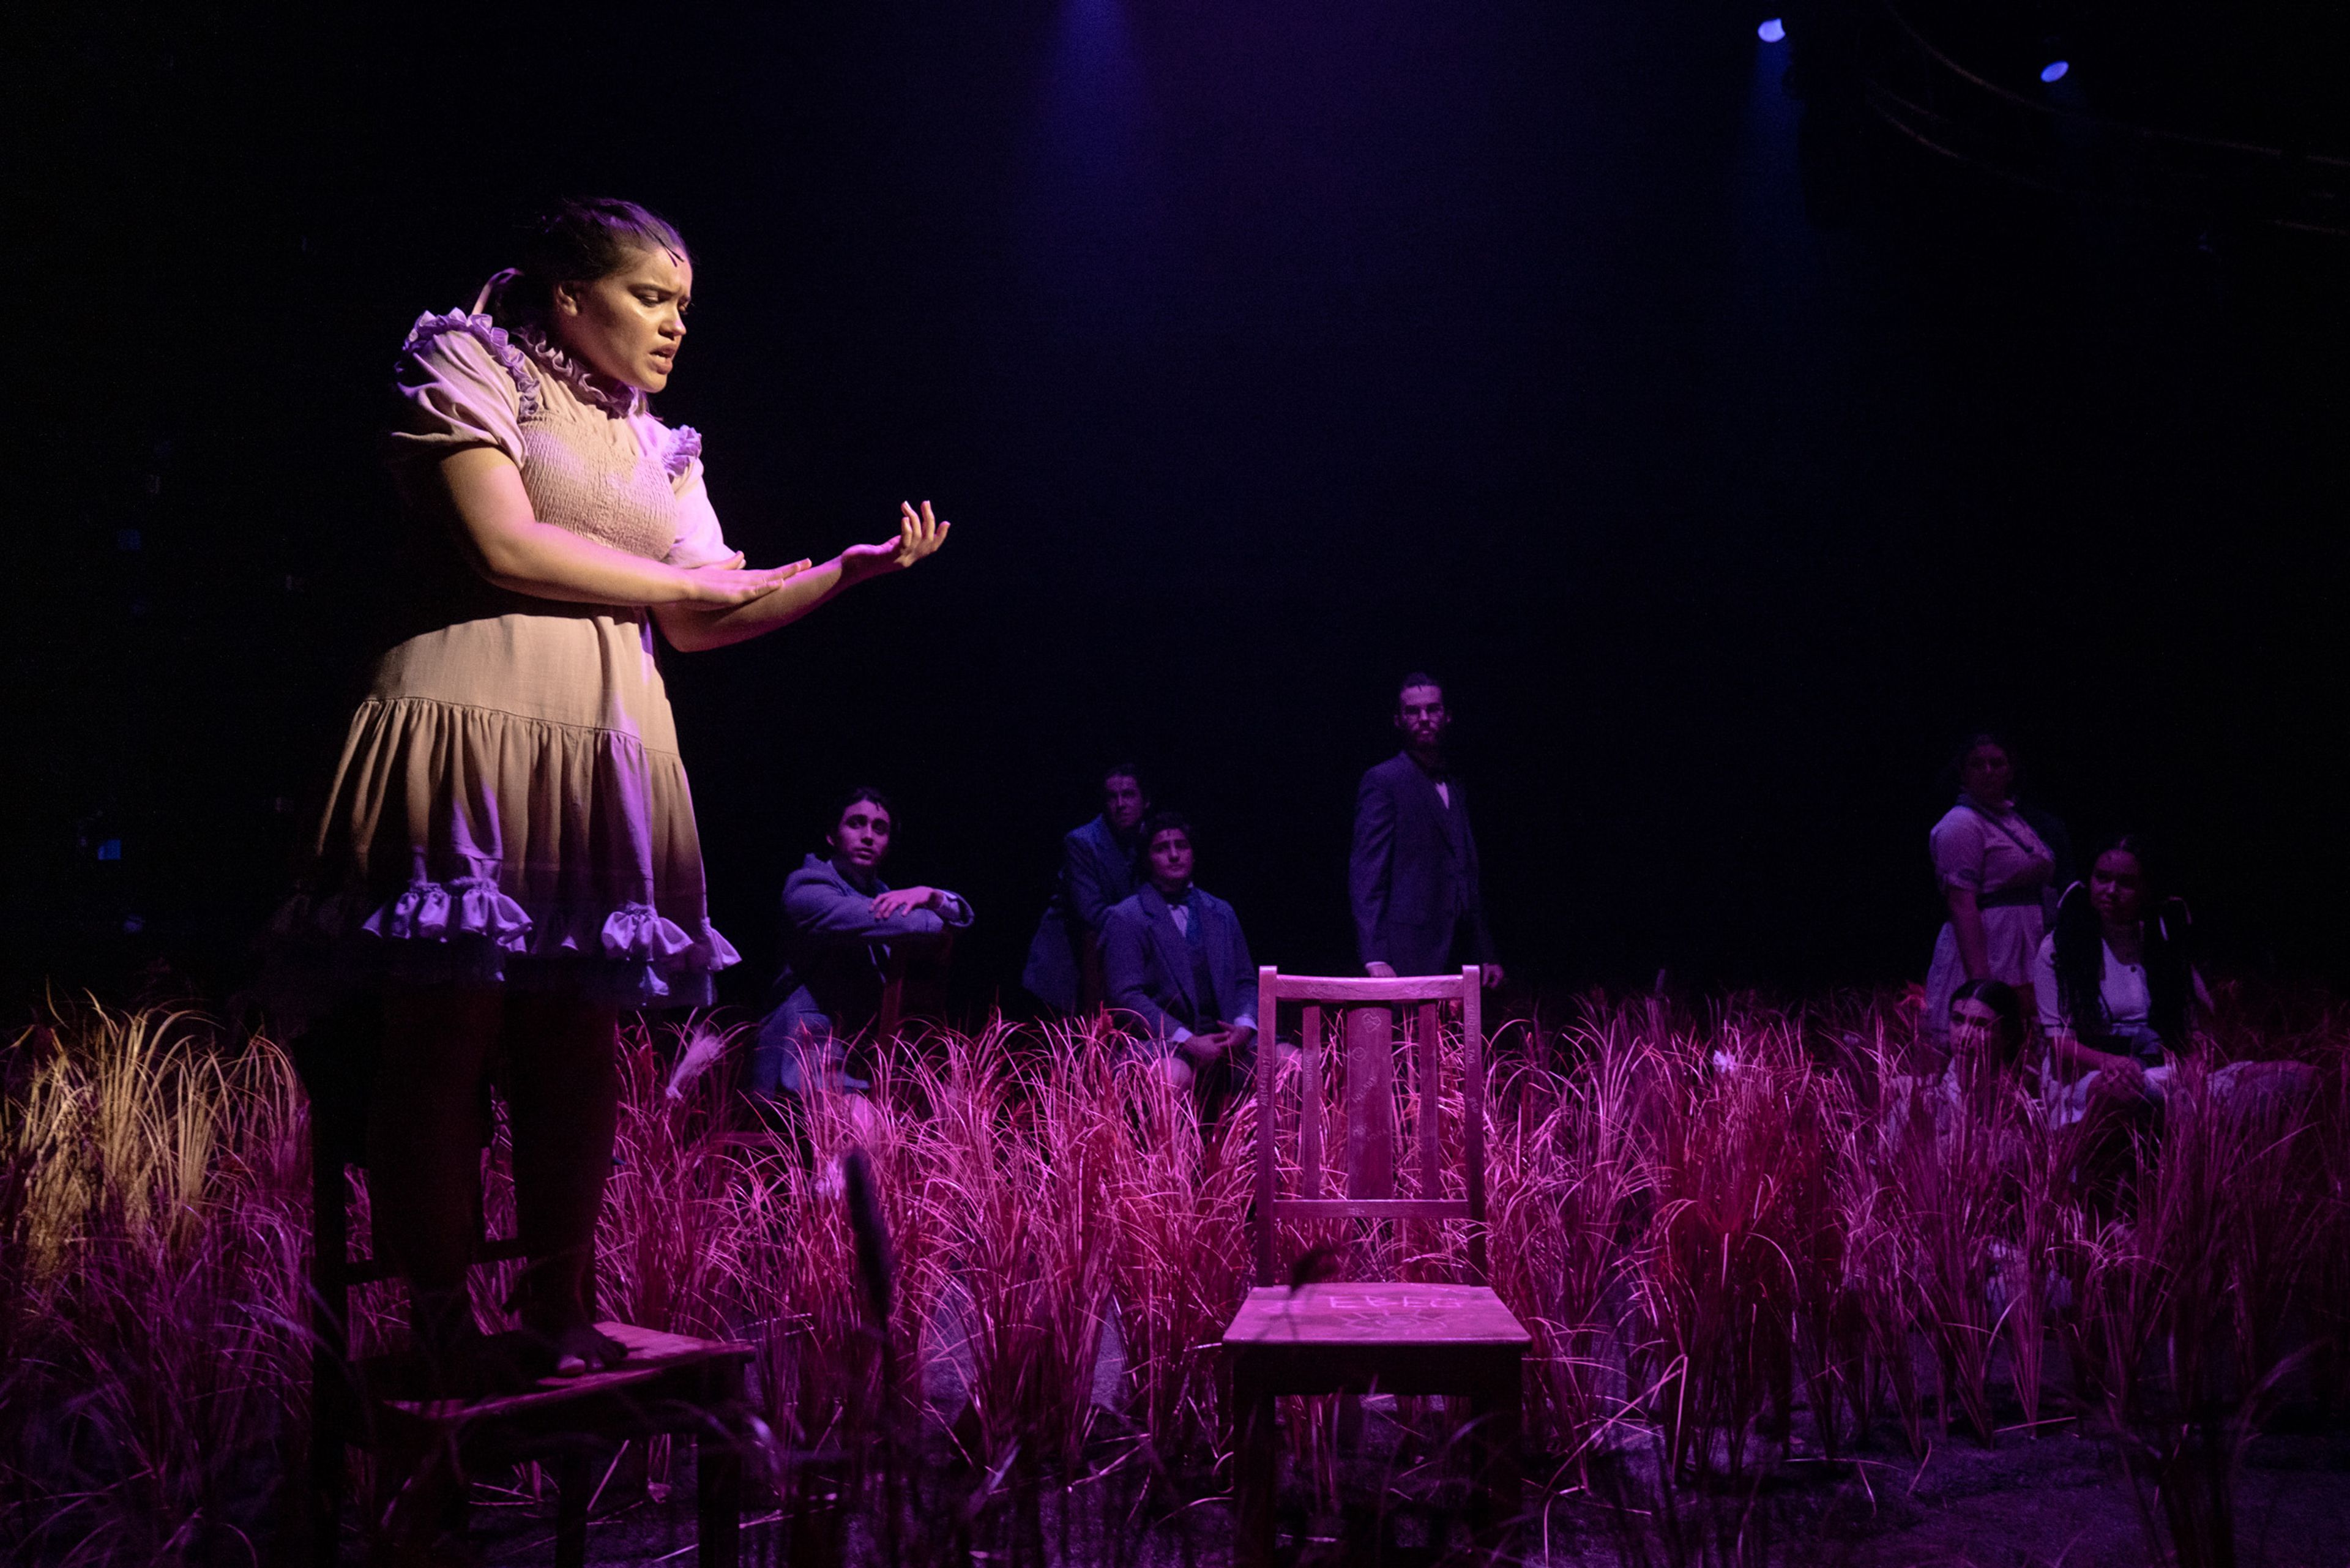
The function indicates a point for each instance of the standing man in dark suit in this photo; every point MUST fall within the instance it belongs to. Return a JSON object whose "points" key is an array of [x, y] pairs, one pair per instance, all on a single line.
{"points": [[1098, 868], [1419, 908], [1178, 965]]}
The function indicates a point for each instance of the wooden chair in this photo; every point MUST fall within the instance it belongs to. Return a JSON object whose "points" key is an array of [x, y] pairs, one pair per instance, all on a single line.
{"points": [[913, 987], [1330, 1337], [669, 1385]]}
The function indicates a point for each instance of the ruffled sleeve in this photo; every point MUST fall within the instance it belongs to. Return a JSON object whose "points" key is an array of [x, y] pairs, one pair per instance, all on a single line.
{"points": [[1959, 850], [699, 541], [461, 383]]}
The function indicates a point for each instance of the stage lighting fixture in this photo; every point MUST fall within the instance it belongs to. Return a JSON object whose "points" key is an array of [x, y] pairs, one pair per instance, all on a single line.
{"points": [[1772, 31], [2053, 71]]}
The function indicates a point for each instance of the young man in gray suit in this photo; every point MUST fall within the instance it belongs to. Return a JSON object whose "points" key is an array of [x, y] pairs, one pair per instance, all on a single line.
{"points": [[1419, 908], [842, 925], [1178, 968], [1099, 867]]}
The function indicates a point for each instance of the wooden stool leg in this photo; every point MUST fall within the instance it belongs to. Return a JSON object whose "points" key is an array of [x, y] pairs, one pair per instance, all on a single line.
{"points": [[330, 1461], [574, 1477], [421, 1496], [1254, 1459], [718, 1468], [718, 1500], [330, 1372], [452, 1498], [1497, 1491]]}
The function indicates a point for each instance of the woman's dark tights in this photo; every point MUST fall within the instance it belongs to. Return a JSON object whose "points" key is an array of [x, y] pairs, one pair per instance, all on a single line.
{"points": [[425, 1135]]}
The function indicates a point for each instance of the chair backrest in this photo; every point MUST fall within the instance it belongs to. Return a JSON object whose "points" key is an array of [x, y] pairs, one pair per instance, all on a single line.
{"points": [[1363, 1013], [892, 1011]]}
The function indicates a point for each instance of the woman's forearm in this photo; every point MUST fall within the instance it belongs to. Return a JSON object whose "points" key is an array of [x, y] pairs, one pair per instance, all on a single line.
{"points": [[551, 563], [1967, 927], [694, 628], [491, 511], [2067, 1049]]}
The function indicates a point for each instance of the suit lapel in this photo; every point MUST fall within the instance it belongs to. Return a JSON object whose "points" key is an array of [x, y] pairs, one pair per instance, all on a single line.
{"points": [[1216, 944], [1117, 868], [1455, 818], [1423, 790]]}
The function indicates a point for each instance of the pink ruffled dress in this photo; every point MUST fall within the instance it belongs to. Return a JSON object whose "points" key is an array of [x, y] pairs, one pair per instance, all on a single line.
{"points": [[510, 808]]}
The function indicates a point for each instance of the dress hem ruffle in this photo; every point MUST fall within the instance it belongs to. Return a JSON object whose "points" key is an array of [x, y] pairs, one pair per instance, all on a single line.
{"points": [[325, 948]]}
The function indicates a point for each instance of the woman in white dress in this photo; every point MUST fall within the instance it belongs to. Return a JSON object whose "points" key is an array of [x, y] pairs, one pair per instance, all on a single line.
{"points": [[509, 857], [2120, 997], [2112, 982], [1990, 868]]}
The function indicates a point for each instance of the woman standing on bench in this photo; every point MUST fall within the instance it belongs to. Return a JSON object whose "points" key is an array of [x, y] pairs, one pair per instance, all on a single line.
{"points": [[508, 854]]}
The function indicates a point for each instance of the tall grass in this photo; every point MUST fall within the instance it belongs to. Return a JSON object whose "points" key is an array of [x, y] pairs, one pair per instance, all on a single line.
{"points": [[1740, 1237], [2189, 1298], [153, 1234]]}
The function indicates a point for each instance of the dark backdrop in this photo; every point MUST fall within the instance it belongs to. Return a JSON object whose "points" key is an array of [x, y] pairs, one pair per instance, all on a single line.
{"points": [[1259, 353]]}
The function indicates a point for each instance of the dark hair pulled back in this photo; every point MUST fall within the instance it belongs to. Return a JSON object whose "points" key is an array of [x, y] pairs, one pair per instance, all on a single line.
{"points": [[578, 240]]}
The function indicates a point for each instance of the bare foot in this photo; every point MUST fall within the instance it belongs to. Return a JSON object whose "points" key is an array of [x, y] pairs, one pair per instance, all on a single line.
{"points": [[580, 1348]]}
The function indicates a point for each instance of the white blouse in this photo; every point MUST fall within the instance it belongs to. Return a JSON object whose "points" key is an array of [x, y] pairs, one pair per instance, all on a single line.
{"points": [[2127, 995]]}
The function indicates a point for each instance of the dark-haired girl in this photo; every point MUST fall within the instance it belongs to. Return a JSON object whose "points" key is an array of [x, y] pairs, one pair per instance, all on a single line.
{"points": [[509, 855], [2119, 996], [1987, 1037], [2115, 986]]}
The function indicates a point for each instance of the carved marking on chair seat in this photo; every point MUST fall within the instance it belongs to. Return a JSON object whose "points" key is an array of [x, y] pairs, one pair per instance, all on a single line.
{"points": [[1350, 1312]]}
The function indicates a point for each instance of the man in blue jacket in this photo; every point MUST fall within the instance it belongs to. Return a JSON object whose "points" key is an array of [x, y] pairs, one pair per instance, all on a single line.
{"points": [[1097, 869], [1178, 967], [842, 928], [1412, 878]]}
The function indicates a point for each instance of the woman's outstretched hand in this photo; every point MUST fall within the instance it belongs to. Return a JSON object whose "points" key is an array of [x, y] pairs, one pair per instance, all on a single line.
{"points": [[731, 583], [919, 533], [715, 606]]}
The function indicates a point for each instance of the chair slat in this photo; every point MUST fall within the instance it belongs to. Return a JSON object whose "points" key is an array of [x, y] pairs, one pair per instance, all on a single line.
{"points": [[1268, 1125], [1370, 1103], [1309, 1126], [1403, 988], [1431, 1177], [1473, 1098]]}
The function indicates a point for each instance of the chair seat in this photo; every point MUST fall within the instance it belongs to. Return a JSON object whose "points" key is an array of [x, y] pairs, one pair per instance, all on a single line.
{"points": [[1406, 1338], [662, 1372]]}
